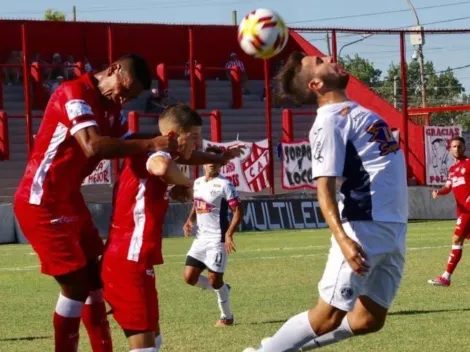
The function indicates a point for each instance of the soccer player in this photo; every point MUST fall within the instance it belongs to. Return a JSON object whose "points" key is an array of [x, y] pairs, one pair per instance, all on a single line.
{"points": [[135, 241], [82, 124], [213, 196], [368, 226], [458, 181]]}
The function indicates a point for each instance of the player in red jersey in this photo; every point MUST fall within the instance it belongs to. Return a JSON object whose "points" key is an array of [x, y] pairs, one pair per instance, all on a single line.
{"points": [[82, 124], [135, 241], [458, 181]]}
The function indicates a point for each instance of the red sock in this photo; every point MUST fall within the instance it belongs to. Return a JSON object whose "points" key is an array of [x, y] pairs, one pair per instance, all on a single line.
{"points": [[454, 258], [67, 324], [96, 323]]}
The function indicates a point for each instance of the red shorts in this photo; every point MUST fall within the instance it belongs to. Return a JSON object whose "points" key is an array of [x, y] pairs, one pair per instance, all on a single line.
{"points": [[462, 228], [130, 290], [64, 238]]}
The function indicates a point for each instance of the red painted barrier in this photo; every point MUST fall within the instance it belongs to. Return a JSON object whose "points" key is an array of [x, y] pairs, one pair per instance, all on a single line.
{"points": [[4, 138]]}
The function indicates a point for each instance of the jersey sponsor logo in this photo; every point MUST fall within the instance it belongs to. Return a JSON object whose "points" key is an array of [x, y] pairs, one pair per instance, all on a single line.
{"points": [[203, 207], [317, 146], [458, 181], [347, 292], [382, 135], [64, 220], [76, 108]]}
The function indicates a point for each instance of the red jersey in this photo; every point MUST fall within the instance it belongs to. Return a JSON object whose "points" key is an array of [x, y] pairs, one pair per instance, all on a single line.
{"points": [[459, 182], [140, 206], [58, 166]]}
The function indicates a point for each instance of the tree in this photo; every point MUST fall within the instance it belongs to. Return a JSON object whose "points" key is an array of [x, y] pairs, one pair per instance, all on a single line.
{"points": [[362, 69], [52, 15]]}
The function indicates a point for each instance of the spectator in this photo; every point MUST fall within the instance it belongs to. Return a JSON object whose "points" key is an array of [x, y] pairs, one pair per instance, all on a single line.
{"points": [[186, 69], [12, 74], [44, 70], [56, 73], [235, 61], [69, 66]]}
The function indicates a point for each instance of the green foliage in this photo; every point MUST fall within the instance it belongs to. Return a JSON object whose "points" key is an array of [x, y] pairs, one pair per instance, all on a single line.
{"points": [[52, 15]]}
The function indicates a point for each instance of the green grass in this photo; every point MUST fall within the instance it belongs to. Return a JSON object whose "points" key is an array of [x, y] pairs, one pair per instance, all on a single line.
{"points": [[273, 275]]}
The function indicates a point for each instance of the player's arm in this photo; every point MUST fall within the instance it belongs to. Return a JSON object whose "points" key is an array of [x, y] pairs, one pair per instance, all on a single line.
{"points": [[161, 164], [329, 154], [443, 190], [94, 144], [235, 205], [201, 158], [189, 224]]}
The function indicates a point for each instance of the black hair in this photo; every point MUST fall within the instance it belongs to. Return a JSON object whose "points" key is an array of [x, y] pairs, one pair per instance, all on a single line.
{"points": [[139, 69], [182, 115], [458, 138], [214, 149]]}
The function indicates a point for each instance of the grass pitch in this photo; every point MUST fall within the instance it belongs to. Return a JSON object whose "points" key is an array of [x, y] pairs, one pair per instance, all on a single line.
{"points": [[273, 275]]}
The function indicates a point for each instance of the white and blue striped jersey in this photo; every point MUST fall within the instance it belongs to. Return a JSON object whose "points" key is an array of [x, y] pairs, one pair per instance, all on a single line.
{"points": [[353, 143]]}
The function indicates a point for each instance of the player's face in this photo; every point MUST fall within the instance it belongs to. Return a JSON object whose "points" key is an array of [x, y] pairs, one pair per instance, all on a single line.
{"points": [[122, 86], [212, 169], [326, 75], [187, 141], [457, 149]]}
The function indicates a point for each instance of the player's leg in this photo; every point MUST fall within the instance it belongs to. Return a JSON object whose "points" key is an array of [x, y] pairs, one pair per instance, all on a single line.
{"points": [[223, 298], [94, 315], [141, 341], [216, 263], [462, 231], [194, 266]]}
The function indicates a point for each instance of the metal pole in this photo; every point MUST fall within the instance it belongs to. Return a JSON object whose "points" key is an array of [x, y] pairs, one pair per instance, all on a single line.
{"points": [[395, 91], [74, 11], [192, 78], [334, 45], [234, 17], [404, 97], [328, 43], [110, 46], [27, 87], [269, 131]]}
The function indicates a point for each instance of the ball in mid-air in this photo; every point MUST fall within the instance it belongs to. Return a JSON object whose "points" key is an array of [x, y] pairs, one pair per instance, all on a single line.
{"points": [[262, 34]]}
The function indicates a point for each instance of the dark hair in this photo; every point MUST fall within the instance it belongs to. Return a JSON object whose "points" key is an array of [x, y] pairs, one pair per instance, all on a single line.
{"points": [[291, 83], [214, 149], [139, 69], [458, 138], [182, 115]]}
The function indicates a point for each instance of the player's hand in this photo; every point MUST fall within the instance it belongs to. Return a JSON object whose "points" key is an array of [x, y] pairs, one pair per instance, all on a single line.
{"points": [[229, 244], [181, 193], [355, 255], [435, 194], [232, 153], [167, 143], [188, 228]]}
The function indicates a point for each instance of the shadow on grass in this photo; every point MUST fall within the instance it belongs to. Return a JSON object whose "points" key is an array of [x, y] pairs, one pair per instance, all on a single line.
{"points": [[417, 312], [25, 338]]}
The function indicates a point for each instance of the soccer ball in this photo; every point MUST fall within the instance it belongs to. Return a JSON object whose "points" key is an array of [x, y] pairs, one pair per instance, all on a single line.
{"points": [[262, 34]]}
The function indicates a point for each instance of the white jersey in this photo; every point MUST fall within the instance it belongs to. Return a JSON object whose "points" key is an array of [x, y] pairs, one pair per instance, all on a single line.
{"points": [[354, 143], [211, 201]]}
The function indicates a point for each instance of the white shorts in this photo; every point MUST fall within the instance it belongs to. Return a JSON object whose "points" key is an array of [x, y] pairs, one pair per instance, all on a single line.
{"points": [[384, 245], [212, 254]]}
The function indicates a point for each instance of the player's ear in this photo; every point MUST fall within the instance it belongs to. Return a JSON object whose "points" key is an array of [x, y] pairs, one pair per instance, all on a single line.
{"points": [[114, 68], [315, 84]]}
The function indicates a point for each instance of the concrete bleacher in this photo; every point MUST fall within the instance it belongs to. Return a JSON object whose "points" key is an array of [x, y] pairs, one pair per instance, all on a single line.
{"points": [[248, 124]]}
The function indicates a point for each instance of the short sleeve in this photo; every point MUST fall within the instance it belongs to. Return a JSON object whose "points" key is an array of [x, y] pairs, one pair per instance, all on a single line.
{"points": [[153, 155], [231, 195], [78, 108], [328, 141], [122, 129]]}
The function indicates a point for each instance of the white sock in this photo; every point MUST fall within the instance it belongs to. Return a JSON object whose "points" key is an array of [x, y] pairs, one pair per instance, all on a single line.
{"points": [[224, 302], [341, 333], [446, 275], [68, 308], [203, 283], [149, 349], [158, 342], [294, 334]]}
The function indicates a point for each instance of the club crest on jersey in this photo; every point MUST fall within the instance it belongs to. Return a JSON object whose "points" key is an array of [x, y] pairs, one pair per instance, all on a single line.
{"points": [[382, 135], [203, 207]]}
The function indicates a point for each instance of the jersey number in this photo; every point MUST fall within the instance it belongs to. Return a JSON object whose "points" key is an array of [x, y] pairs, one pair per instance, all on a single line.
{"points": [[382, 135], [218, 259]]}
